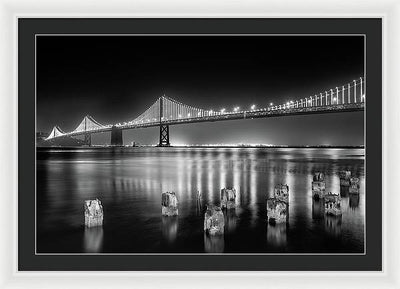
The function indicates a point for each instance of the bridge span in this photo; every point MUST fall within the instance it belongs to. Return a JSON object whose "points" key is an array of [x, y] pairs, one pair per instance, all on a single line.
{"points": [[166, 111]]}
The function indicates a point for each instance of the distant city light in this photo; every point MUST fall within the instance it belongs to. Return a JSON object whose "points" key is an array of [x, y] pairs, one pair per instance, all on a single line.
{"points": [[236, 109], [271, 104], [253, 106]]}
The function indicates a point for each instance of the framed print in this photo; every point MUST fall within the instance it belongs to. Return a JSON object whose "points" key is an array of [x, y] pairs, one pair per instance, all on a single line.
{"points": [[105, 65], [200, 144]]}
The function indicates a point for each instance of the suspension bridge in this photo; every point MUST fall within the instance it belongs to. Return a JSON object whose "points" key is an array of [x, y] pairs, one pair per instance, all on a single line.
{"points": [[166, 111]]}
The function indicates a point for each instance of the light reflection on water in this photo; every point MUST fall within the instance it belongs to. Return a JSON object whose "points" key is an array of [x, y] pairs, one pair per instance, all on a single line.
{"points": [[129, 182]]}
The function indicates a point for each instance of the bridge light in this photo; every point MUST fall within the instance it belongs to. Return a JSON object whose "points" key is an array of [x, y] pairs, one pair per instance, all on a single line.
{"points": [[271, 104]]}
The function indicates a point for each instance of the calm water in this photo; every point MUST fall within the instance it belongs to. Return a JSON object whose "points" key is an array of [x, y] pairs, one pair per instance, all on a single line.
{"points": [[129, 182]]}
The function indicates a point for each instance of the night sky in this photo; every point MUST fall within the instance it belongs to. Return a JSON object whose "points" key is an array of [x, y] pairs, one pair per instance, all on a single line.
{"points": [[115, 78]]}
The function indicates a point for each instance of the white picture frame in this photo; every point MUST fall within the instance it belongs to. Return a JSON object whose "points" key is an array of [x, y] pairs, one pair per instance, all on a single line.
{"points": [[10, 11]]}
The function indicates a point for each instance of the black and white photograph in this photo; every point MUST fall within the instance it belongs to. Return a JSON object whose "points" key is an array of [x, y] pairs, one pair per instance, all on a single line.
{"points": [[200, 144]]}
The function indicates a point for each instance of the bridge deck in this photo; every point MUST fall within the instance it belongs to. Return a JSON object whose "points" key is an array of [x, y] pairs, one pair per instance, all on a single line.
{"points": [[264, 113]]}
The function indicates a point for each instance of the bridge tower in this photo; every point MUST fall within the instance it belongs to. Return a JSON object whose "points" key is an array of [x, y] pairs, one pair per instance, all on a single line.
{"points": [[88, 139], [87, 136], [164, 129], [116, 136]]}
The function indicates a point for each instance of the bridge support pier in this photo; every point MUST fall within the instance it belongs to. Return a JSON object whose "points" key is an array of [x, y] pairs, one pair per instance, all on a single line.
{"points": [[116, 136], [164, 136], [88, 139]]}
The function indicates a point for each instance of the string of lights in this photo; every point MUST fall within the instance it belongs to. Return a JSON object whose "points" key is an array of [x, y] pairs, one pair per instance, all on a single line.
{"points": [[165, 109]]}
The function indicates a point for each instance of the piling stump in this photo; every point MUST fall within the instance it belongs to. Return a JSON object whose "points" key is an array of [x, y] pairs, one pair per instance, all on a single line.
{"points": [[354, 186], [277, 211], [281, 193], [345, 178], [332, 205], [318, 186], [214, 221], [169, 204], [93, 213], [228, 198]]}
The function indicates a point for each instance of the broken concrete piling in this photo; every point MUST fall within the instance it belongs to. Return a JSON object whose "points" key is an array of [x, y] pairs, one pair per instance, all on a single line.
{"points": [[228, 198], [318, 186], [93, 213], [332, 205], [278, 206], [277, 211], [214, 221], [169, 204], [354, 186], [281, 193], [345, 178]]}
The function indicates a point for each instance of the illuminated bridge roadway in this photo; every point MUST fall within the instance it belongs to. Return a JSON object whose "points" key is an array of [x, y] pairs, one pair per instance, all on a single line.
{"points": [[166, 111]]}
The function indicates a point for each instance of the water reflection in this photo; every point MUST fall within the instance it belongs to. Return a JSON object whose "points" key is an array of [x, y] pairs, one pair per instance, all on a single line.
{"points": [[354, 200], [93, 239], [276, 235], [169, 228], [318, 209], [333, 225], [344, 191], [214, 244], [230, 219], [199, 206], [129, 183]]}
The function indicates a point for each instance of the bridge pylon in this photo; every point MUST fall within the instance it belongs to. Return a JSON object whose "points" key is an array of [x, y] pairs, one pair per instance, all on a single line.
{"points": [[164, 136], [164, 128], [116, 136], [88, 139]]}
